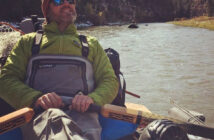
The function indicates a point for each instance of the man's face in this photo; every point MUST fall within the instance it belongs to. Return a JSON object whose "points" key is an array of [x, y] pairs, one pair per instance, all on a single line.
{"points": [[64, 13]]}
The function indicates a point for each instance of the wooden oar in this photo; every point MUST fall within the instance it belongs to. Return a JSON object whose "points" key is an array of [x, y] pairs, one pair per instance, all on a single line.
{"points": [[133, 94], [20, 117]]}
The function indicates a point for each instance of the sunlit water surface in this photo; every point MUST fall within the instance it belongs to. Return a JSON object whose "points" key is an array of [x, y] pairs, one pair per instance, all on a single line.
{"points": [[162, 61]]}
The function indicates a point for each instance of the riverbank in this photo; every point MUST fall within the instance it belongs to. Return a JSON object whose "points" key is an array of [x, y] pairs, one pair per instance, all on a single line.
{"points": [[200, 22], [7, 42]]}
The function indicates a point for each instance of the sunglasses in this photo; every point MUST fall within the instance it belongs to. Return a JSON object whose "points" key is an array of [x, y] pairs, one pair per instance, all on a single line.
{"points": [[60, 2]]}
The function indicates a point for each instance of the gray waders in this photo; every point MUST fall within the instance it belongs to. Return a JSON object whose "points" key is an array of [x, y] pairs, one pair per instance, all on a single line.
{"points": [[55, 124], [66, 75]]}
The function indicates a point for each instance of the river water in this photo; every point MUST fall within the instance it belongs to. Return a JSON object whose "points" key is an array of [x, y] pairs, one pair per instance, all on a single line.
{"points": [[162, 61]]}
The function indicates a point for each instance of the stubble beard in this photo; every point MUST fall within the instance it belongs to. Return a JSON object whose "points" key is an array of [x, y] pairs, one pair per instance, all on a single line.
{"points": [[67, 15]]}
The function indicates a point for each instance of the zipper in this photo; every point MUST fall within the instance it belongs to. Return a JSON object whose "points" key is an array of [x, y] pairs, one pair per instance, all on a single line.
{"points": [[61, 43]]}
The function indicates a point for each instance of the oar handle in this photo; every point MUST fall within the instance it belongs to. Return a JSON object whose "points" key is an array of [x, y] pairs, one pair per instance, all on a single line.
{"points": [[91, 108], [94, 108]]}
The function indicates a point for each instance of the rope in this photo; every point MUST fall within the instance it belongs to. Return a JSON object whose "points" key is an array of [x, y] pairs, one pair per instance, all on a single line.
{"points": [[192, 117]]}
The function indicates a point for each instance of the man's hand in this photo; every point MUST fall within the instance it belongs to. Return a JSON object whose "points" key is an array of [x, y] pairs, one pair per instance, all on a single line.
{"points": [[49, 100], [81, 103]]}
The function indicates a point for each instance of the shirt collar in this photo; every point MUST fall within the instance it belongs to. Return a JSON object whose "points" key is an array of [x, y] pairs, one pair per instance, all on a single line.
{"points": [[53, 27]]}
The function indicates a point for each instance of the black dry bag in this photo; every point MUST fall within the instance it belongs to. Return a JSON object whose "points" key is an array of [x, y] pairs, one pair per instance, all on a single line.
{"points": [[114, 58]]}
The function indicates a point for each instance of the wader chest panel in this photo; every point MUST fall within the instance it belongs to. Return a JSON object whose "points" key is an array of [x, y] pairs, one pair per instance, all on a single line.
{"points": [[65, 75]]}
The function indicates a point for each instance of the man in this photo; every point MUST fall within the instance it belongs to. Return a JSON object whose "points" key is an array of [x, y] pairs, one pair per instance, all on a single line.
{"points": [[57, 73]]}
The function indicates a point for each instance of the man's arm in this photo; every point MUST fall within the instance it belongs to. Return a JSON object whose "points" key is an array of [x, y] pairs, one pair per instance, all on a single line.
{"points": [[106, 84], [12, 87]]}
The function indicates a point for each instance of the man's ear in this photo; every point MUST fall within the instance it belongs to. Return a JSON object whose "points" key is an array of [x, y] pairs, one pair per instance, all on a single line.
{"points": [[48, 16]]}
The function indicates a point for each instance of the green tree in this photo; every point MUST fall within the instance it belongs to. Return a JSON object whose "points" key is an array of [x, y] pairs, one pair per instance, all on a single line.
{"points": [[210, 8]]}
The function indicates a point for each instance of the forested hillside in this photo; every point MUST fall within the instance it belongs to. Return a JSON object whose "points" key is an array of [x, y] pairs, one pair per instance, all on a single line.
{"points": [[104, 11]]}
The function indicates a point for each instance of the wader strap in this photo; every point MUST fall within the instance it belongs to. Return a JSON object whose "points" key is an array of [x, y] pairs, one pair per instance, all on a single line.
{"points": [[3, 61], [123, 89], [37, 41], [84, 43], [124, 83]]}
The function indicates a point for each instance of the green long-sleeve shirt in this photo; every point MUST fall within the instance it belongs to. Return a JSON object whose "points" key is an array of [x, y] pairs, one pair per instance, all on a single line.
{"points": [[12, 87]]}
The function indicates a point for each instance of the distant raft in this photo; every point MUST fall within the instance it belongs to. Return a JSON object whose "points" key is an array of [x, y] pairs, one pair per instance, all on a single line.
{"points": [[133, 25]]}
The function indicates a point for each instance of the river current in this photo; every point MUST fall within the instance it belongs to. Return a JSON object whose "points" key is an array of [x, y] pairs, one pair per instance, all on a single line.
{"points": [[162, 61]]}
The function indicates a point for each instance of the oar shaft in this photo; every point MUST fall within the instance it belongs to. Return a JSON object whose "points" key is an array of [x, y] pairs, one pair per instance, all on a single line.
{"points": [[23, 116], [15, 119]]}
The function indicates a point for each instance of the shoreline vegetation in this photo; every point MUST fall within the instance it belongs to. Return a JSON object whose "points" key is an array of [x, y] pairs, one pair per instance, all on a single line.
{"points": [[199, 22]]}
